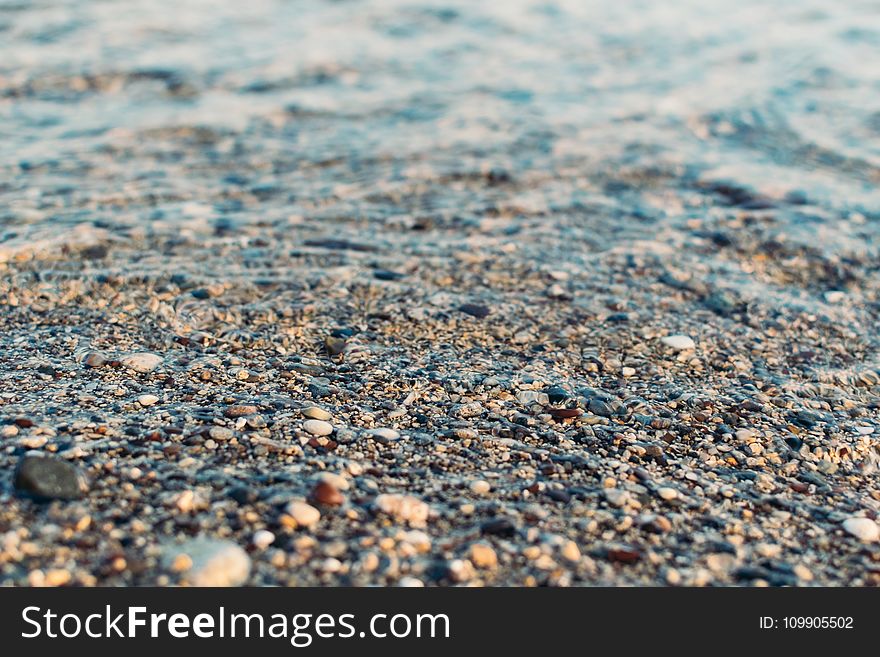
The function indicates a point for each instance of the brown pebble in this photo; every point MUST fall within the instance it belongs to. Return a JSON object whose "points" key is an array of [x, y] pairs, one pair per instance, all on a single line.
{"points": [[241, 410], [623, 554], [24, 422], [327, 494], [562, 413]]}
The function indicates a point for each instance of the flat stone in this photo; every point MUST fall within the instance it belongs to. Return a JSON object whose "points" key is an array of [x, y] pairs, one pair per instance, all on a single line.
{"points": [[45, 478], [864, 529], [475, 310], [384, 435], [316, 413], [147, 400], [678, 342], [666, 493], [318, 427], [142, 362], [213, 562], [240, 410]]}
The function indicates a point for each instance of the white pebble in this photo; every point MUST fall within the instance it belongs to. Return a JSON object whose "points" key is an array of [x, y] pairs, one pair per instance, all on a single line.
{"points": [[411, 583], [263, 539], [678, 342], [142, 362], [384, 435], [480, 487], [863, 529], [147, 400], [318, 427]]}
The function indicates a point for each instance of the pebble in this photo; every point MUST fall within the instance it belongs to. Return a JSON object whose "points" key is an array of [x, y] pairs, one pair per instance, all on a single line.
{"points": [[46, 478], [318, 427], [410, 582], [95, 359], [142, 362], [316, 413], [617, 497], [327, 494], [403, 508], [147, 400], [666, 493], [263, 539], [240, 410], [212, 562], [480, 487], [304, 514], [475, 310], [864, 529], [570, 551], [482, 555], [384, 435], [678, 342], [221, 434]]}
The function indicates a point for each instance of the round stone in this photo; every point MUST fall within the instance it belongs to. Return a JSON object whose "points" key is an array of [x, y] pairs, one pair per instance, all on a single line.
{"points": [[480, 487], [263, 539], [304, 514], [147, 400], [483, 555], [327, 494], [318, 427], [864, 529]]}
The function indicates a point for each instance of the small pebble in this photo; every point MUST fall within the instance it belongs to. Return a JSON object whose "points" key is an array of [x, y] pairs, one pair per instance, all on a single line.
{"points": [[147, 400], [263, 539]]}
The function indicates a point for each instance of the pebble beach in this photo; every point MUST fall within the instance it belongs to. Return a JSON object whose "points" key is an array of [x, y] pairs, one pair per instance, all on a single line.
{"points": [[439, 294]]}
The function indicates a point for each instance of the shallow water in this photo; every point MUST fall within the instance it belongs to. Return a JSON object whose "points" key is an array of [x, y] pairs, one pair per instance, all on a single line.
{"points": [[419, 216], [778, 96]]}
